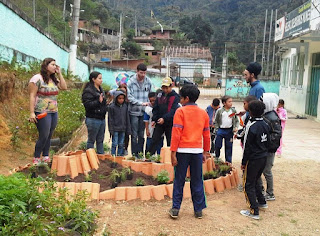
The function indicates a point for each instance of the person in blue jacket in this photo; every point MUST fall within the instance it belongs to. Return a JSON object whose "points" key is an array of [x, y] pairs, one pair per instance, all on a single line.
{"points": [[251, 76]]}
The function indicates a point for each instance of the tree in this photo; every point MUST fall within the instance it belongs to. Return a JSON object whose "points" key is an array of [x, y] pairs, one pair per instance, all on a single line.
{"points": [[133, 49]]}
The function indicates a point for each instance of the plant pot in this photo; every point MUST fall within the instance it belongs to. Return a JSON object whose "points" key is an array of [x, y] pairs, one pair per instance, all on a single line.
{"points": [[108, 194], [209, 164], [204, 167], [70, 188], [93, 159], [158, 192], [119, 159], [136, 166], [236, 175], [131, 193], [218, 184], [233, 180], [78, 160], [73, 166], [144, 192], [169, 188], [114, 165], [95, 191], [130, 176], [85, 164], [156, 168], [186, 190], [209, 186], [147, 168], [227, 182], [125, 163], [62, 165], [120, 193], [87, 186], [165, 155]]}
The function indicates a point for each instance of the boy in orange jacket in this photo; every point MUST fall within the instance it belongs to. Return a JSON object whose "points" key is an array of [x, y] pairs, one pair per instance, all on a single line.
{"points": [[190, 144]]}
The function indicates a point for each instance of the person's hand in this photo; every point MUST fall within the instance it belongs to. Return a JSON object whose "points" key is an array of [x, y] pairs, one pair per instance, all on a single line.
{"points": [[235, 130], [145, 104], [58, 70], [160, 121], [243, 167], [174, 161], [241, 113], [101, 98], [148, 133], [153, 124], [33, 118], [205, 155]]}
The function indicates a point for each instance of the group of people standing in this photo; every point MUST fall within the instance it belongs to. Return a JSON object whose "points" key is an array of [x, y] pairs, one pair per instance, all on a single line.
{"points": [[134, 108]]}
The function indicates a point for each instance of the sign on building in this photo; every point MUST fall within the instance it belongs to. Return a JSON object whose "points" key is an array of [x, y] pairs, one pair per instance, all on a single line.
{"points": [[279, 31]]}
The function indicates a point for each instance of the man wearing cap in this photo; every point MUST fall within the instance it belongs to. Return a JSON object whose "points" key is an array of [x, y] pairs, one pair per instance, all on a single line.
{"points": [[138, 87], [251, 76], [163, 111]]}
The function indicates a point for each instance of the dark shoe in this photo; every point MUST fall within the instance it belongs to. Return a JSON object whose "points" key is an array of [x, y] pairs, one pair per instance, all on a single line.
{"points": [[173, 212], [263, 206], [270, 197], [198, 214]]}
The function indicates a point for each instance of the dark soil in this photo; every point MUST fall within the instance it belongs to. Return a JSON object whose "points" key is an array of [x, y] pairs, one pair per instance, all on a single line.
{"points": [[101, 176]]}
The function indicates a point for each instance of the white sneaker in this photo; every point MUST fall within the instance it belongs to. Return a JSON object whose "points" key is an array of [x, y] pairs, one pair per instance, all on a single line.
{"points": [[248, 214]]}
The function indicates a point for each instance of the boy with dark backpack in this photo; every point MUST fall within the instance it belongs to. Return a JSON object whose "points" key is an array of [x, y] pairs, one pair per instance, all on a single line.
{"points": [[271, 117]]}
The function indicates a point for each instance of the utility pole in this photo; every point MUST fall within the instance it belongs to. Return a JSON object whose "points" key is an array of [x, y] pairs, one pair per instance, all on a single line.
{"points": [[264, 39], [74, 36], [274, 44], [224, 71], [120, 35], [34, 10], [135, 25], [270, 33], [64, 10]]}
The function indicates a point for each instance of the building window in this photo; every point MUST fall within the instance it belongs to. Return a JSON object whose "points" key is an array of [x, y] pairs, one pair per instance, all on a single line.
{"points": [[294, 70], [285, 71], [154, 53], [147, 54], [301, 58]]}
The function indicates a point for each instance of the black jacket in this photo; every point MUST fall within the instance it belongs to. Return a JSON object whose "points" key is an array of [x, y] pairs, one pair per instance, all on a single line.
{"points": [[165, 107], [256, 140], [90, 100], [118, 116]]}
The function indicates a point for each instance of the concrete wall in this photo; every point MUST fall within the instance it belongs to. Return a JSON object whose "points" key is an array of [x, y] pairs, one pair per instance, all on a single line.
{"points": [[238, 87], [21, 37]]}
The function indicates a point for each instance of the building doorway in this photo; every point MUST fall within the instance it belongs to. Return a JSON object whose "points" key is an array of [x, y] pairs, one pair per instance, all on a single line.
{"points": [[313, 86]]}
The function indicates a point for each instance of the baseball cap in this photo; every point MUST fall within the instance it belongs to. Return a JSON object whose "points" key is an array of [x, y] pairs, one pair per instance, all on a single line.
{"points": [[166, 82]]}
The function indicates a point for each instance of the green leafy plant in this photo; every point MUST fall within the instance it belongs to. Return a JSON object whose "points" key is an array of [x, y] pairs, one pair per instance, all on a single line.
{"points": [[156, 158], [24, 209], [206, 176], [102, 176], [140, 156], [187, 179], [15, 136], [88, 177], [163, 177], [123, 175], [82, 145], [139, 182], [115, 175], [42, 167], [213, 174], [224, 169], [67, 178]]}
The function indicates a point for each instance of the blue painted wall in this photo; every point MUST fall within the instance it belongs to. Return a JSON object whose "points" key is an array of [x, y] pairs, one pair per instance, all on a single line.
{"points": [[20, 38], [238, 88]]}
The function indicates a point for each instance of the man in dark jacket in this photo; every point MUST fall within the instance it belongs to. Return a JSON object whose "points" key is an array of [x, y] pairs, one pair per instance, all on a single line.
{"points": [[118, 122], [166, 105], [255, 153]]}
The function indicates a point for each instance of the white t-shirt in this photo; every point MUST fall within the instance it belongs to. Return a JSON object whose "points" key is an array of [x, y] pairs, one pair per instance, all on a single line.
{"points": [[226, 121]]}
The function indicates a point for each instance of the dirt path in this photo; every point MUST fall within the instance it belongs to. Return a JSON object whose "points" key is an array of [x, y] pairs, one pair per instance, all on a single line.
{"points": [[296, 210]]}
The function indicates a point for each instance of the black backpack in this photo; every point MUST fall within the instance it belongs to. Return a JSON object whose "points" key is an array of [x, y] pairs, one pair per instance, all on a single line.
{"points": [[272, 119]]}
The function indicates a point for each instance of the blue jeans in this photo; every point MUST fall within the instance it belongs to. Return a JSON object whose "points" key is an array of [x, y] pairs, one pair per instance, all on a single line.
{"points": [[227, 135], [118, 141], [137, 134], [160, 145], [96, 129], [196, 182], [45, 127]]}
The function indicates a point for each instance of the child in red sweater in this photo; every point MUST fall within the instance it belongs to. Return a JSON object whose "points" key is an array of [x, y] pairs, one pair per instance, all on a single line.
{"points": [[190, 144]]}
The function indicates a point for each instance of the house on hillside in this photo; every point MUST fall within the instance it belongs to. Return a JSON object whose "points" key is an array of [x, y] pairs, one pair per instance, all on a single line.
{"points": [[193, 63], [149, 51], [298, 36]]}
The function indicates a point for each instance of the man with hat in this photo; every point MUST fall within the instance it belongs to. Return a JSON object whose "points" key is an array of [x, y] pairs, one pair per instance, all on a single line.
{"points": [[251, 76], [163, 111]]}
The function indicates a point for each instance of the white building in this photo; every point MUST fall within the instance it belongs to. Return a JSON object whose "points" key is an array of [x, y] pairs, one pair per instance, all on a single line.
{"points": [[298, 35], [191, 62]]}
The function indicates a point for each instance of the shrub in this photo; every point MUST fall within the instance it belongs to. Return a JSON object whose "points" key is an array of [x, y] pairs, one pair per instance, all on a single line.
{"points": [[24, 209], [163, 177]]}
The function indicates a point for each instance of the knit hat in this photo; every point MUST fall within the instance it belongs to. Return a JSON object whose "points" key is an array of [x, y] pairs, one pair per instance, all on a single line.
{"points": [[255, 68]]}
